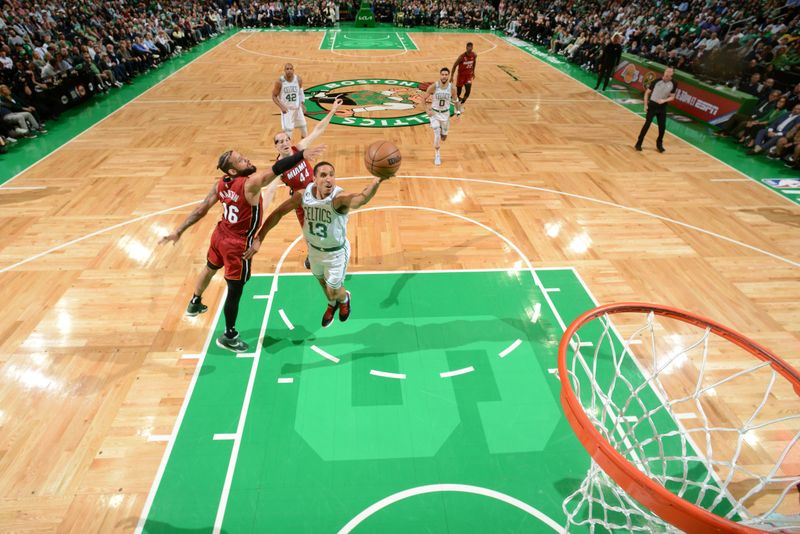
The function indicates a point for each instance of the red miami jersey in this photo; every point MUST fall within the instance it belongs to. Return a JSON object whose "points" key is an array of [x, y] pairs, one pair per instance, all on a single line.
{"points": [[466, 66], [239, 218], [298, 178]]}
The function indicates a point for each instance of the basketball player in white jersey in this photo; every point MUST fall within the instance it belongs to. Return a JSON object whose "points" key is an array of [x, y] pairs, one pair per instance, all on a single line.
{"points": [[326, 207], [288, 96], [439, 96]]}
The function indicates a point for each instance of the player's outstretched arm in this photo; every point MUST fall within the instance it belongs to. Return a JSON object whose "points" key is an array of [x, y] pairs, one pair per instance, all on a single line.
{"points": [[346, 202], [261, 179], [288, 206], [198, 213], [319, 129]]}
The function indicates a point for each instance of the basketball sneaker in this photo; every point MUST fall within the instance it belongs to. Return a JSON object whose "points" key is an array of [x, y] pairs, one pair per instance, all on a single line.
{"points": [[307, 263], [195, 308], [437, 160], [327, 317], [344, 308], [234, 344]]}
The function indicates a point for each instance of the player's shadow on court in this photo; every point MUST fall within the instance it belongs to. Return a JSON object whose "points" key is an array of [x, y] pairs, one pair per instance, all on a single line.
{"points": [[400, 337], [776, 215], [397, 288]]}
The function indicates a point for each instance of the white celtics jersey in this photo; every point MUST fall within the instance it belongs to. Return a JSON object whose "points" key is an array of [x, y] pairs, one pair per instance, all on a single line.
{"points": [[290, 92], [441, 97], [324, 227]]}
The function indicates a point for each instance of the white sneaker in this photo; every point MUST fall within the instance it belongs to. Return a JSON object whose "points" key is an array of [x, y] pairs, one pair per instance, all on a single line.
{"points": [[437, 160]]}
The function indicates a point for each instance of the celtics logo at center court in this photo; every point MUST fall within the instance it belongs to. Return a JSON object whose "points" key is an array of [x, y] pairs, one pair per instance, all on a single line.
{"points": [[370, 102]]}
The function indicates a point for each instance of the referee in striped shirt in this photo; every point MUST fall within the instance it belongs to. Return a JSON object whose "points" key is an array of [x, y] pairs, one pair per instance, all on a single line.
{"points": [[661, 92]]}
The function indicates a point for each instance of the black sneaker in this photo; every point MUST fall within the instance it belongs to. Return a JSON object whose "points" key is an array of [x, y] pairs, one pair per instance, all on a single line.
{"points": [[660, 149], [638, 148], [234, 344], [307, 263], [195, 308]]}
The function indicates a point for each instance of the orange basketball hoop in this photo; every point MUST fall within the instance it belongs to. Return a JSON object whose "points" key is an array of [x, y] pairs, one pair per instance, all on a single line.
{"points": [[647, 471]]}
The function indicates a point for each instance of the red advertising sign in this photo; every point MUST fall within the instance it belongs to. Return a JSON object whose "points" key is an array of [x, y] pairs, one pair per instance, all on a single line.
{"points": [[690, 99]]}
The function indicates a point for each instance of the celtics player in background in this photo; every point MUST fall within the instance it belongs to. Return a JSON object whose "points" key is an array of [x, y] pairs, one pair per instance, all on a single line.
{"points": [[288, 96], [326, 207], [439, 95]]}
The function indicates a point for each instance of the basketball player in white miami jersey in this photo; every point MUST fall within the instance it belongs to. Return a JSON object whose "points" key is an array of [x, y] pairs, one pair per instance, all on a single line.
{"points": [[288, 96], [326, 207], [439, 96]]}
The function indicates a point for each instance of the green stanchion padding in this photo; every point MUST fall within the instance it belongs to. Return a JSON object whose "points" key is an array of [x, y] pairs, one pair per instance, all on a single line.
{"points": [[365, 17]]}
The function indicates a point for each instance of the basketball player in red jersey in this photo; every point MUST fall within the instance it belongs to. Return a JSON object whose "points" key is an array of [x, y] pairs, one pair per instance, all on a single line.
{"points": [[465, 63], [299, 176], [239, 191]]}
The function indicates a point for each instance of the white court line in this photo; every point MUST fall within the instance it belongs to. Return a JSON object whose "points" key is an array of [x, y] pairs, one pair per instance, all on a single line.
{"points": [[418, 271], [686, 415], [641, 113], [440, 488], [629, 342], [23, 188], [333, 39], [385, 36], [178, 421], [324, 354], [286, 320], [159, 437], [511, 347], [465, 370], [260, 297], [204, 101], [384, 374], [455, 179], [553, 289], [401, 41], [224, 437], [372, 62], [191, 356], [97, 232], [411, 39], [245, 354], [285, 380], [237, 443], [117, 110]]}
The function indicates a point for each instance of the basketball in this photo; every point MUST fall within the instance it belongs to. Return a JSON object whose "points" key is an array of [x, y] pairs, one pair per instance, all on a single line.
{"points": [[382, 159]]}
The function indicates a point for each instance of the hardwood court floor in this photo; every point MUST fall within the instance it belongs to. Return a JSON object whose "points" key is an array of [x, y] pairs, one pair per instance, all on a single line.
{"points": [[91, 376]]}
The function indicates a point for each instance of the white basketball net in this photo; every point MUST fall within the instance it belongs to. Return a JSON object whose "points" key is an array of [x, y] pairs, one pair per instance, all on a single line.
{"points": [[676, 427]]}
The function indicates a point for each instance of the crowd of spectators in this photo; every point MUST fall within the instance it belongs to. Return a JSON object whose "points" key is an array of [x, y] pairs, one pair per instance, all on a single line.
{"points": [[53, 53], [751, 45]]}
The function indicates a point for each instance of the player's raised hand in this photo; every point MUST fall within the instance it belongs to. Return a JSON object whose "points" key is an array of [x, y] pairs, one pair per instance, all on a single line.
{"points": [[313, 152], [251, 251], [336, 104]]}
